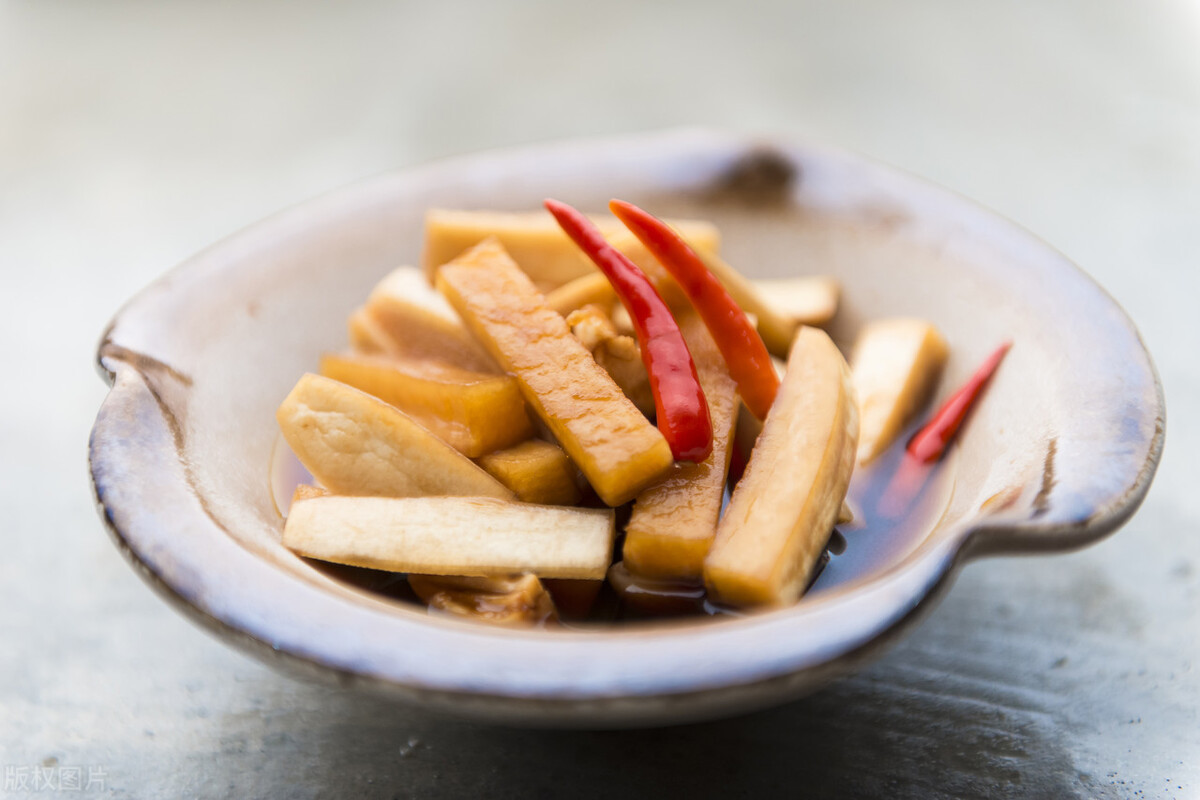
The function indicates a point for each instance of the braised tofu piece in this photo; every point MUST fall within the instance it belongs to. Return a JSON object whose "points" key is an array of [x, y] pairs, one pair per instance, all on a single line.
{"points": [[674, 521], [405, 317], [473, 536], [516, 600], [593, 289], [537, 471], [612, 443], [807, 300], [356, 444], [536, 242], [783, 509], [473, 412], [618, 353], [896, 364], [368, 336]]}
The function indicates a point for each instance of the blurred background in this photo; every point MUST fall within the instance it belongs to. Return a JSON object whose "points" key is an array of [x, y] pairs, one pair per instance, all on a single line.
{"points": [[132, 134]]}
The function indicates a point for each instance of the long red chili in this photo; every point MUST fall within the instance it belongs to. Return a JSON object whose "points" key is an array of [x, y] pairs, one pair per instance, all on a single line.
{"points": [[679, 402], [743, 349], [931, 441]]}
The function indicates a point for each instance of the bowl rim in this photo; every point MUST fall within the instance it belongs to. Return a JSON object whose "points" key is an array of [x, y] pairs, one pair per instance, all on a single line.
{"points": [[693, 671]]}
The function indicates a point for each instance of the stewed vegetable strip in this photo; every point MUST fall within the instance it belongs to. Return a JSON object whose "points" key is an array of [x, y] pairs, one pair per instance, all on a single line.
{"points": [[674, 521], [473, 412], [356, 444], [784, 507], [471, 536], [618, 450], [895, 365], [539, 472]]}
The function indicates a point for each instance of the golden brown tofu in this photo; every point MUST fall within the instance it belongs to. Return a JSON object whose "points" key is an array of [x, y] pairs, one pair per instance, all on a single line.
{"points": [[516, 600], [405, 317], [896, 364], [806, 300], [538, 245], [356, 444], [674, 521], [537, 471], [368, 336], [612, 443], [476, 536], [592, 289], [473, 412], [785, 506]]}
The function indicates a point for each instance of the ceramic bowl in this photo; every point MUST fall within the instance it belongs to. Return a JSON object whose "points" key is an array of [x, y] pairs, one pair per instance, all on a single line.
{"points": [[1060, 453]]}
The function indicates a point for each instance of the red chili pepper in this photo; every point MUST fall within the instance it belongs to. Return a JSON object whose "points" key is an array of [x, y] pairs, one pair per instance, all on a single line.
{"points": [[931, 441], [743, 349], [679, 402]]}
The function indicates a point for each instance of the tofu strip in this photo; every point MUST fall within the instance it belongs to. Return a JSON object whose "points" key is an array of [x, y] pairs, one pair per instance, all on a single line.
{"points": [[452, 535], [356, 444], [674, 521], [612, 443], [539, 246], [473, 412], [896, 365], [783, 509]]}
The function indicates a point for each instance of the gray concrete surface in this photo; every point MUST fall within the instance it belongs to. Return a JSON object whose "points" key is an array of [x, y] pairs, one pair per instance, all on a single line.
{"points": [[132, 134]]}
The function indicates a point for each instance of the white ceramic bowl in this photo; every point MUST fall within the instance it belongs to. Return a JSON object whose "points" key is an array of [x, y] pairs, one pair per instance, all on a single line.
{"points": [[1060, 453]]}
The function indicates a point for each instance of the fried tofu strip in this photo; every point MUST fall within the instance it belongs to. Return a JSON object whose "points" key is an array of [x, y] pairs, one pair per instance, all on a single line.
{"points": [[537, 471], [405, 317], [472, 536], [617, 449], [593, 289], [356, 444], [896, 364], [536, 242], [473, 412], [674, 521], [807, 300], [783, 509], [368, 336]]}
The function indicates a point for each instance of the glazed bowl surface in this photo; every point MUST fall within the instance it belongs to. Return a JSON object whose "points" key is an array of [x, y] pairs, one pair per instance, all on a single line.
{"points": [[1060, 453]]}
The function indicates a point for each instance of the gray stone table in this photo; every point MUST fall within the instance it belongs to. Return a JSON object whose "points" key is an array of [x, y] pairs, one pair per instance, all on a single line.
{"points": [[134, 133]]}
